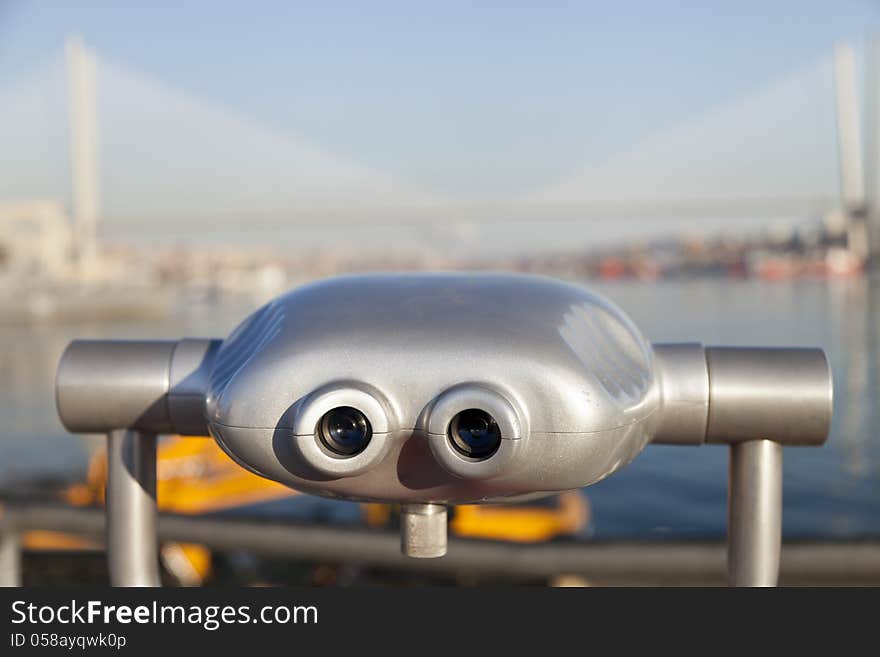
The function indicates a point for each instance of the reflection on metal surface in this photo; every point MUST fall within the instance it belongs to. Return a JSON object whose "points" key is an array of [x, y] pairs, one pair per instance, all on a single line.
{"points": [[828, 492]]}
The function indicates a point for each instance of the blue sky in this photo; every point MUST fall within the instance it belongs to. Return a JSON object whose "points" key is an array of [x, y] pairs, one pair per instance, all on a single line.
{"points": [[481, 98]]}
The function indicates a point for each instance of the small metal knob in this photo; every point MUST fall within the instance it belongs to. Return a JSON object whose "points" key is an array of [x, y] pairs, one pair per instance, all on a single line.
{"points": [[423, 530]]}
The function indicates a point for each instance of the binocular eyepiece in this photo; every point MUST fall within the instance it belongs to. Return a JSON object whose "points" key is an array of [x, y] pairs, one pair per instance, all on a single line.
{"points": [[344, 431], [474, 433]]}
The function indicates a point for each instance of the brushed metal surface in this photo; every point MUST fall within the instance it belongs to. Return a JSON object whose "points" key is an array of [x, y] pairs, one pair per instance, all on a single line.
{"points": [[754, 522], [781, 394], [684, 385], [103, 385], [132, 545], [423, 530], [571, 379]]}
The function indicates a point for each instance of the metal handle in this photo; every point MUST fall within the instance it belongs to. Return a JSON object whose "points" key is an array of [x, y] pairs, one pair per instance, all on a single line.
{"points": [[152, 386], [132, 391], [728, 395], [756, 400]]}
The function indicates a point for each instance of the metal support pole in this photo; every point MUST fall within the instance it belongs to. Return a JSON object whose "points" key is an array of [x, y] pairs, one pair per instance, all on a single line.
{"points": [[131, 509], [754, 518], [10, 556]]}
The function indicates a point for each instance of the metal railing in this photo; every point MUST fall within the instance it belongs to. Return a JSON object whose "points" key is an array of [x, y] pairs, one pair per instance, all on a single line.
{"points": [[598, 562]]}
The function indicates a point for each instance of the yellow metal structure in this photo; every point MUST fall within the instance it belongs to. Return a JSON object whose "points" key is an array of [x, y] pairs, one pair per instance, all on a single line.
{"points": [[195, 476], [192, 476], [522, 523]]}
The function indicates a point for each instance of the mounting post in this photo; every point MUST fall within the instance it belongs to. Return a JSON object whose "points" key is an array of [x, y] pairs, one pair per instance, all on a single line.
{"points": [[754, 513], [423, 530], [10, 553], [132, 549]]}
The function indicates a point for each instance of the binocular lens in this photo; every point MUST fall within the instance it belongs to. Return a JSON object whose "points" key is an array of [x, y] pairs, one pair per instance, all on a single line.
{"points": [[475, 434], [345, 431]]}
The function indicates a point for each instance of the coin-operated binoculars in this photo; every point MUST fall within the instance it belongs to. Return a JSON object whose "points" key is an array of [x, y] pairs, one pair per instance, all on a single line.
{"points": [[439, 389]]}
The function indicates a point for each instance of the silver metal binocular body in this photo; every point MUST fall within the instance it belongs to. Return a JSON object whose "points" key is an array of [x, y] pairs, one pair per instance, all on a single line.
{"points": [[573, 389]]}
